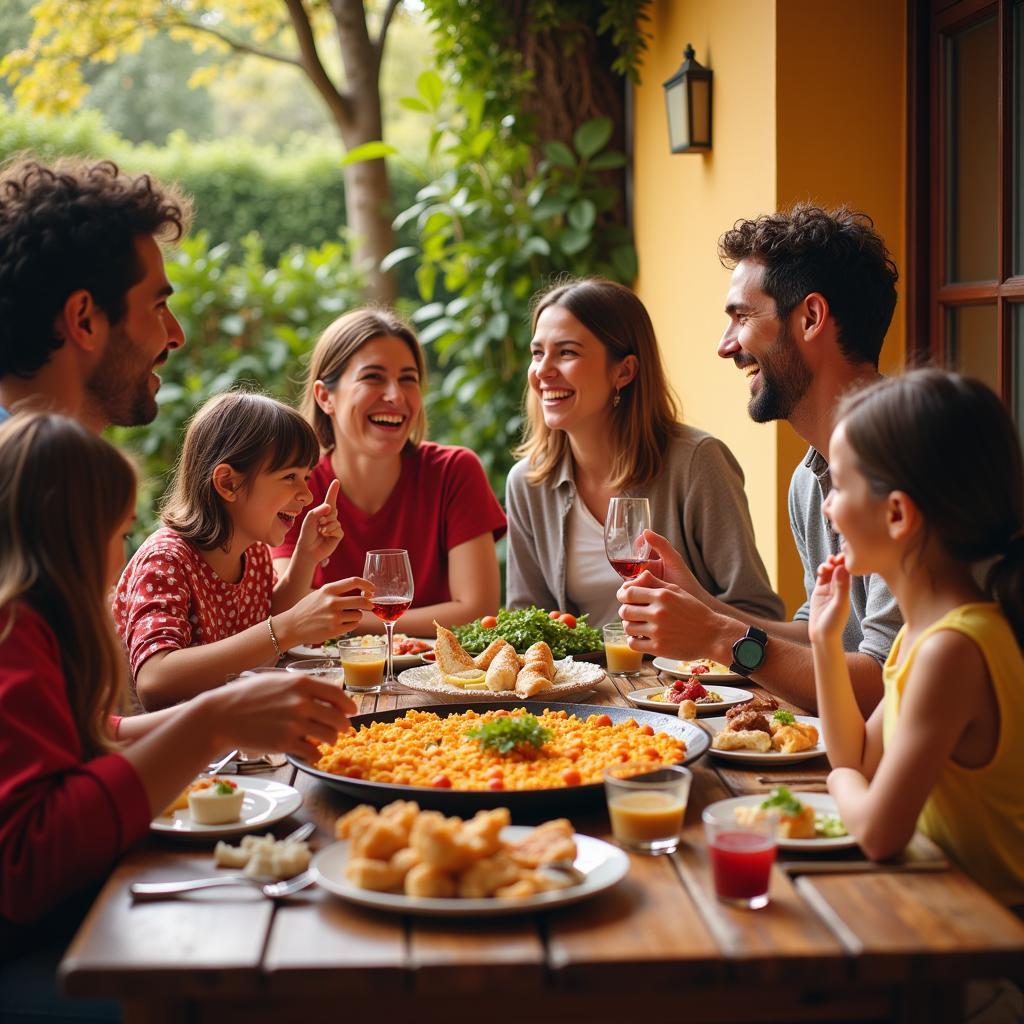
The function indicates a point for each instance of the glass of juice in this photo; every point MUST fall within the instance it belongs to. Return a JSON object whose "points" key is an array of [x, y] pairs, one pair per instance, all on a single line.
{"points": [[620, 658], [647, 804], [741, 858], [363, 661]]}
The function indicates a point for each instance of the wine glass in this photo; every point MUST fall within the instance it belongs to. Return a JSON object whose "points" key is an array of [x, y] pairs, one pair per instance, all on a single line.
{"points": [[628, 553], [391, 575]]}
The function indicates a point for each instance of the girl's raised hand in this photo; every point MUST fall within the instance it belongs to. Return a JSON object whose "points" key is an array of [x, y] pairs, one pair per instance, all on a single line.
{"points": [[830, 601], [321, 530]]}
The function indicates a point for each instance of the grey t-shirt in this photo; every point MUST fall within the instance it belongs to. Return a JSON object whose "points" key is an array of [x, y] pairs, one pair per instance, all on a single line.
{"points": [[874, 615]]}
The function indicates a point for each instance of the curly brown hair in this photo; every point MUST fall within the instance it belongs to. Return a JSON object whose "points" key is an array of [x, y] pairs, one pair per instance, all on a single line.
{"points": [[67, 226], [834, 252]]}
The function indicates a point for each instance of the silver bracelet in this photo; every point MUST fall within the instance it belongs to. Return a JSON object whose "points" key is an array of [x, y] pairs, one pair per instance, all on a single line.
{"points": [[273, 637]]}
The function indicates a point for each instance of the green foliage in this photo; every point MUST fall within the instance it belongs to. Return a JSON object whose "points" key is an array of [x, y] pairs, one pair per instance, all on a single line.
{"points": [[491, 232], [293, 198], [250, 323]]}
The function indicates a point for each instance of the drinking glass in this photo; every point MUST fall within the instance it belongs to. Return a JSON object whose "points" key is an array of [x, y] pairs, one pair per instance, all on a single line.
{"points": [[741, 857], [624, 544], [647, 804], [323, 668], [391, 575], [620, 658]]}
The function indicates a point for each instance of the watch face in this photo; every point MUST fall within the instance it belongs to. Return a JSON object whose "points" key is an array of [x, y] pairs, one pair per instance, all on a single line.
{"points": [[749, 653]]}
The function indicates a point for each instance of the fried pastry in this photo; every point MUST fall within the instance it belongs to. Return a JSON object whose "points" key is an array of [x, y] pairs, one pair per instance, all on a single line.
{"points": [[354, 821], [429, 881], [450, 656], [539, 657], [547, 843], [487, 875], [503, 670], [787, 826], [746, 739], [379, 839], [489, 653], [368, 873], [791, 739]]}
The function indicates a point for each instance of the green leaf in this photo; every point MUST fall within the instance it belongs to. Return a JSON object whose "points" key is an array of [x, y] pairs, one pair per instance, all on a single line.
{"points": [[592, 136], [582, 214], [431, 87], [559, 154], [572, 241], [608, 162], [426, 275], [624, 261], [368, 151], [412, 103], [397, 256], [550, 206]]}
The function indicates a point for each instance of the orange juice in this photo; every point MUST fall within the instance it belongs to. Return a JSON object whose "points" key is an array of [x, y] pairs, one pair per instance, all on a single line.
{"points": [[364, 674], [622, 658], [646, 816]]}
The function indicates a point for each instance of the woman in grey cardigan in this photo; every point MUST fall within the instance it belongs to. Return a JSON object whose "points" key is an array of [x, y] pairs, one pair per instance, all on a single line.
{"points": [[602, 420]]}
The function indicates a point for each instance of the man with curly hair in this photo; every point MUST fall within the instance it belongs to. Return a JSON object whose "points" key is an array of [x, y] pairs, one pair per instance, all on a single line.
{"points": [[84, 319], [811, 297]]}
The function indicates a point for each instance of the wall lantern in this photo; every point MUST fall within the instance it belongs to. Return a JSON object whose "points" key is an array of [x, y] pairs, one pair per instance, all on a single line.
{"points": [[688, 102]]}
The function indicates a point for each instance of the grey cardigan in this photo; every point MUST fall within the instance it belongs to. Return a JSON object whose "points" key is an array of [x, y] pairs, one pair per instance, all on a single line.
{"points": [[697, 502]]}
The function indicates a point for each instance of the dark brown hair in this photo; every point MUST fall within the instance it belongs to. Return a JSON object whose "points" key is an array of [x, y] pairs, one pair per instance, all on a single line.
{"points": [[251, 433], [834, 252], [63, 493], [69, 226], [647, 416], [949, 443], [334, 351]]}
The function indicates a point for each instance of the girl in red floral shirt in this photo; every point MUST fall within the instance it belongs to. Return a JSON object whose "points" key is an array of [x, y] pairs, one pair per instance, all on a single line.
{"points": [[200, 600]]}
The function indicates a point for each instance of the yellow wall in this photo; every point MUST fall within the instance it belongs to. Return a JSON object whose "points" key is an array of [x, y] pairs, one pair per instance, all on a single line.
{"points": [[808, 104]]}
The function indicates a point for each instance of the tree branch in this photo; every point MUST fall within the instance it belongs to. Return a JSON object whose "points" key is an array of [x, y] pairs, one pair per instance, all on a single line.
{"points": [[385, 24], [239, 47], [339, 104]]}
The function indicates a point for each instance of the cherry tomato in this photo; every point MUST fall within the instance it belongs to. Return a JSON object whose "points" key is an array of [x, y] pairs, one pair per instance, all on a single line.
{"points": [[496, 783], [554, 615], [442, 782], [568, 619], [679, 684], [488, 622], [647, 730], [602, 720], [571, 777]]}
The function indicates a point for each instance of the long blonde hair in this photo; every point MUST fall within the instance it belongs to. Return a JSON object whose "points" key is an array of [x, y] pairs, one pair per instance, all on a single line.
{"points": [[334, 350], [63, 493], [647, 416]]}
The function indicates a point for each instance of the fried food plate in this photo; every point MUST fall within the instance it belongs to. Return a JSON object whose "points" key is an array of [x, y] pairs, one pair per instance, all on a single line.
{"points": [[331, 651], [572, 679], [678, 670], [602, 864], [520, 802], [725, 812], [772, 757]]}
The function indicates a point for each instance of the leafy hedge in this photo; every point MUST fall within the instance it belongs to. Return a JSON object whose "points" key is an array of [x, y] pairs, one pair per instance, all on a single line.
{"points": [[295, 198]]}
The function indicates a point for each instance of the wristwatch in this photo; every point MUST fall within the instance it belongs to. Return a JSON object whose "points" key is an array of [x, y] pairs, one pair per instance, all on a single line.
{"points": [[748, 651]]}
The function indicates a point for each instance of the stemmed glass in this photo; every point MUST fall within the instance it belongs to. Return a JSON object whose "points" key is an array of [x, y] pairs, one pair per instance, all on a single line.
{"points": [[628, 553], [391, 575]]}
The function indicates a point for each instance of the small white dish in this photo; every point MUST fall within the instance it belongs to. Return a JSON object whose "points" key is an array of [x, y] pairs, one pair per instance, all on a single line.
{"points": [[716, 725], [603, 864], [674, 668], [725, 811], [266, 802], [731, 696], [331, 651]]}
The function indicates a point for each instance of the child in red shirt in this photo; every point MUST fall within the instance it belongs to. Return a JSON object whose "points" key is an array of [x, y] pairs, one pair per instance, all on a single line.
{"points": [[72, 798], [199, 601]]}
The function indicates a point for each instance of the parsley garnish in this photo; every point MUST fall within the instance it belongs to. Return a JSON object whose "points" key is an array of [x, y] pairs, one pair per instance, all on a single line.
{"points": [[783, 717], [223, 788], [783, 800], [504, 734]]}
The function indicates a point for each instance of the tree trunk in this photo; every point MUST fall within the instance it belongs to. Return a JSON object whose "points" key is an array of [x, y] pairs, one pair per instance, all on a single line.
{"points": [[369, 211]]}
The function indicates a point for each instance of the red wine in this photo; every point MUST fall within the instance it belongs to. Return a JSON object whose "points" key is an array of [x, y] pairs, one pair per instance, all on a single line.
{"points": [[629, 568], [390, 609]]}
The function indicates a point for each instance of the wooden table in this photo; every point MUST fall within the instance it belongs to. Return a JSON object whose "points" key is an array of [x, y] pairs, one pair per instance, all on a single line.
{"points": [[882, 944]]}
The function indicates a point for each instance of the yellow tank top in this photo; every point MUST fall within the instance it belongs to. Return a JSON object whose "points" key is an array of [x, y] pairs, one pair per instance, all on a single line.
{"points": [[977, 814]]}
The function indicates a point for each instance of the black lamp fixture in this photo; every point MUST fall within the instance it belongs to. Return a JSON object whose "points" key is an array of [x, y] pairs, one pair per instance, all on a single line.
{"points": [[688, 102]]}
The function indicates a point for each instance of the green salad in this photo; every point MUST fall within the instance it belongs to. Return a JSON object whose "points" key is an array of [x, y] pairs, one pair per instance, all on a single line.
{"points": [[526, 626]]}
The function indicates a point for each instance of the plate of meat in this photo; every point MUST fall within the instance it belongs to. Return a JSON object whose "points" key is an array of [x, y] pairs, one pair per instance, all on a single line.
{"points": [[760, 732], [714, 699]]}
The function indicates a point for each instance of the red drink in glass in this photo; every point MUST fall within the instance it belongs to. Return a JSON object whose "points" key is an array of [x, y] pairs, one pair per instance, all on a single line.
{"points": [[629, 569], [389, 609], [742, 863]]}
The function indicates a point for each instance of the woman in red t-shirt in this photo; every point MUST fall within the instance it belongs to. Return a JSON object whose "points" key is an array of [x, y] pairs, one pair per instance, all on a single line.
{"points": [[72, 797], [364, 399]]}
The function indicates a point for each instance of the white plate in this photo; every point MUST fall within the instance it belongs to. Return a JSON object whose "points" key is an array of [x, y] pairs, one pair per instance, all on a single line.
{"points": [[731, 695], [572, 679], [266, 801], [724, 810], [715, 725], [603, 864], [671, 668], [331, 651]]}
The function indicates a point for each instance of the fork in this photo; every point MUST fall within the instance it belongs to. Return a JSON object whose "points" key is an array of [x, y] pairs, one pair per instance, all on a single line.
{"points": [[144, 891]]}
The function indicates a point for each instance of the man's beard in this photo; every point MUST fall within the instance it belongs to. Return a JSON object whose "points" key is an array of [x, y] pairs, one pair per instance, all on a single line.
{"points": [[118, 387], [785, 378]]}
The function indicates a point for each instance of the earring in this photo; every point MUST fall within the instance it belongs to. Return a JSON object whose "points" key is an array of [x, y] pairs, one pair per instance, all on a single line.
{"points": [[616, 400]]}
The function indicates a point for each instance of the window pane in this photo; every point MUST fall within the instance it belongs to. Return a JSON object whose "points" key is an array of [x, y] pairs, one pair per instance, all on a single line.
{"points": [[1018, 138], [972, 164], [972, 343], [1018, 368]]}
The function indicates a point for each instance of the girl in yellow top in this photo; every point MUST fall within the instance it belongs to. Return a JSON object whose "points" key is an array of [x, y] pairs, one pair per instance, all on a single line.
{"points": [[927, 481]]}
